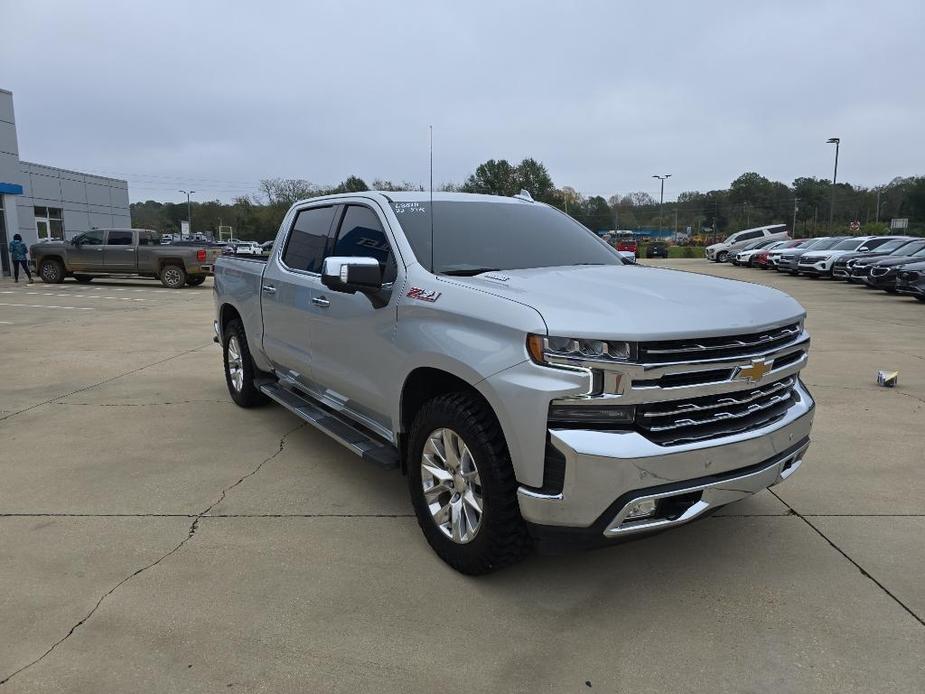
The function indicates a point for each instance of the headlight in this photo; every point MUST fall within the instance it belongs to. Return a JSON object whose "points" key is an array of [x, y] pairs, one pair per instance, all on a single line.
{"points": [[566, 350]]}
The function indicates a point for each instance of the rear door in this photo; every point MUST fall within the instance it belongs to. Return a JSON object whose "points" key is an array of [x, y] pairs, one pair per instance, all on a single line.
{"points": [[86, 252], [119, 253], [290, 281]]}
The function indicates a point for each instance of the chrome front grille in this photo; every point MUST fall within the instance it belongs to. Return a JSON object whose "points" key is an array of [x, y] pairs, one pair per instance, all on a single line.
{"points": [[725, 347], [682, 421]]}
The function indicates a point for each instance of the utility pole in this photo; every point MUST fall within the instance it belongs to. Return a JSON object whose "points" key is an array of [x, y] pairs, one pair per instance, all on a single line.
{"points": [[661, 197], [748, 216], [795, 208], [676, 221], [877, 214], [189, 211], [833, 141]]}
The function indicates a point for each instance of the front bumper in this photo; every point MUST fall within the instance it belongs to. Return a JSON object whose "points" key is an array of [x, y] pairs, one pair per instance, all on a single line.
{"points": [[819, 269], [606, 471], [915, 288]]}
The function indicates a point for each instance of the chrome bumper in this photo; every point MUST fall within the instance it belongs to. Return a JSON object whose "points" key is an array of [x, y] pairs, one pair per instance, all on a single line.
{"points": [[604, 466]]}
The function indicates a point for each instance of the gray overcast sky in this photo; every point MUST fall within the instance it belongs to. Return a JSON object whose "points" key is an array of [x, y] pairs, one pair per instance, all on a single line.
{"points": [[217, 95]]}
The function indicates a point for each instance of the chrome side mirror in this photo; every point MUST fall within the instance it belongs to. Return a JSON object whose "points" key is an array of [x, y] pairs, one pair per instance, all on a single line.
{"points": [[351, 275]]}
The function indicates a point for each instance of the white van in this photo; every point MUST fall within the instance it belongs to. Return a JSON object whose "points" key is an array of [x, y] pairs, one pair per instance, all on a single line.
{"points": [[721, 252]]}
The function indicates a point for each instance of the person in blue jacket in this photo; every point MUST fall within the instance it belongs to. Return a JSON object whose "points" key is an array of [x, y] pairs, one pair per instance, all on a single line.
{"points": [[19, 251]]}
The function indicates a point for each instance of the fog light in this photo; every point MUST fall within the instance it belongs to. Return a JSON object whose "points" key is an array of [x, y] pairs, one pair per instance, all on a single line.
{"points": [[644, 508]]}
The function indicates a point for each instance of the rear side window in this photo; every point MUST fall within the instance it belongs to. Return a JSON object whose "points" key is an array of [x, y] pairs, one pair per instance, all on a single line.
{"points": [[751, 235], [362, 236], [308, 238], [119, 238]]}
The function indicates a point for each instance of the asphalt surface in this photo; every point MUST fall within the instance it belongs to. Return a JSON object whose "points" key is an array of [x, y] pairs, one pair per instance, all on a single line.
{"points": [[155, 537]]}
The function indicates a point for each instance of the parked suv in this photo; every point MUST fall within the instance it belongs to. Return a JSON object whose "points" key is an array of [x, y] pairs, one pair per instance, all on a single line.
{"points": [[875, 248], [720, 252], [818, 263], [533, 386], [788, 261]]}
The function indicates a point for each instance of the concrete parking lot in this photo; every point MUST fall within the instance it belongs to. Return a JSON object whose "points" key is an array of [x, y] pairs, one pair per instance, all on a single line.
{"points": [[155, 537]]}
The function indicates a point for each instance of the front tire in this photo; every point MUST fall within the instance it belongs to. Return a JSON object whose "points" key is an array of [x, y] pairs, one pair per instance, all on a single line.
{"points": [[195, 280], [51, 271], [721, 257], [239, 367], [462, 486], [173, 276]]}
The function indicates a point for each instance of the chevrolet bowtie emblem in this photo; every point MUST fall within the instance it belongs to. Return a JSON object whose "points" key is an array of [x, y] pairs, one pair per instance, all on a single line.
{"points": [[754, 372]]}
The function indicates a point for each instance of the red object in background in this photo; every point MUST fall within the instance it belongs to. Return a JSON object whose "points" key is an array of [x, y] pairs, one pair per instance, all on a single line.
{"points": [[627, 246], [760, 259]]}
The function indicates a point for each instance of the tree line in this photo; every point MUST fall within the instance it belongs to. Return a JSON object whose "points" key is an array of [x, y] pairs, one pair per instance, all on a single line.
{"points": [[750, 200]]}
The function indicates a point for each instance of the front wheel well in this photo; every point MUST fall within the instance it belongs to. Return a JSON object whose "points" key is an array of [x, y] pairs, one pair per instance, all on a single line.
{"points": [[424, 384]]}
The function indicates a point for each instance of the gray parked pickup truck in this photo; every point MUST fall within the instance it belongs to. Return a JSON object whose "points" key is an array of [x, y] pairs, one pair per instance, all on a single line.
{"points": [[533, 386], [123, 252]]}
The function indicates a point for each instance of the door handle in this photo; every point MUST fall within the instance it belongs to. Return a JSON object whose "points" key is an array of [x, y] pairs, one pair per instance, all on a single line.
{"points": [[321, 301], [130, 250], [269, 289]]}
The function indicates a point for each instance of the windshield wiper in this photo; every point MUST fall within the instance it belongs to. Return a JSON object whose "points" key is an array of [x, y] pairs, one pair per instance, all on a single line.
{"points": [[469, 272]]}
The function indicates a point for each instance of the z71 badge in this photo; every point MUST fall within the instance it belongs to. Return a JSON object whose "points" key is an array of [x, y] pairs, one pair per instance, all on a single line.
{"points": [[423, 294]]}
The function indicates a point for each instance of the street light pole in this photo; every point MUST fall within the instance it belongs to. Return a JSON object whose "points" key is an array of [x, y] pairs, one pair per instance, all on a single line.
{"points": [[189, 211], [661, 197], [833, 141]]}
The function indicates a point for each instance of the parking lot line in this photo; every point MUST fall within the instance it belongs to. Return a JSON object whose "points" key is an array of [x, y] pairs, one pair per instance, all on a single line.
{"points": [[75, 296], [78, 308]]}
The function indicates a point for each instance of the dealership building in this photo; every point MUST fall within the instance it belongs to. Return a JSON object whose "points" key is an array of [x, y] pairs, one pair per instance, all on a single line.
{"points": [[42, 202]]}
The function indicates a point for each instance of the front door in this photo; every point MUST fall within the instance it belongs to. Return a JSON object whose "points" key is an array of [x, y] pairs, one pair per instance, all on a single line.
{"points": [[119, 253], [86, 251], [290, 282], [352, 334]]}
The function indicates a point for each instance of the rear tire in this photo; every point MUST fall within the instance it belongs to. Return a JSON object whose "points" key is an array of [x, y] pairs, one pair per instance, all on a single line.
{"points": [[173, 276], [51, 271], [83, 279], [239, 367], [500, 535]]}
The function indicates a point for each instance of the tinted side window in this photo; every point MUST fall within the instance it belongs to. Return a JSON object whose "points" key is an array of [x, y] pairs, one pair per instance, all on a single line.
{"points": [[119, 238], [308, 238], [147, 238], [362, 236], [751, 235], [91, 238]]}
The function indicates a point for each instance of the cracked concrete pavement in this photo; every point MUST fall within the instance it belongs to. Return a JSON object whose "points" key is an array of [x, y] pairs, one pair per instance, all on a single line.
{"points": [[154, 537]]}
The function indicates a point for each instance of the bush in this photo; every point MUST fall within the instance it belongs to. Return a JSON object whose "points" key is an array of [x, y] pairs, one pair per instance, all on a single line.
{"points": [[685, 252]]}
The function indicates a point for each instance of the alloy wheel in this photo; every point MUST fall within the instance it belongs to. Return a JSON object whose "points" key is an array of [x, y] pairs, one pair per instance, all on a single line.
{"points": [[451, 484], [235, 366]]}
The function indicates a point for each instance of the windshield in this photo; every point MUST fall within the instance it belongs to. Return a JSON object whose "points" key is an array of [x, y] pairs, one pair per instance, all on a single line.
{"points": [[823, 244], [905, 248], [889, 246], [847, 245], [471, 237]]}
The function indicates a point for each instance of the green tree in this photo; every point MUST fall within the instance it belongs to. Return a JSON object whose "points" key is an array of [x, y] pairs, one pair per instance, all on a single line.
{"points": [[532, 176], [492, 178]]}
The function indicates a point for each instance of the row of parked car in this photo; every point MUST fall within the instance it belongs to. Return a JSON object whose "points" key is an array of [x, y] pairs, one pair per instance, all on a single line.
{"points": [[895, 264]]}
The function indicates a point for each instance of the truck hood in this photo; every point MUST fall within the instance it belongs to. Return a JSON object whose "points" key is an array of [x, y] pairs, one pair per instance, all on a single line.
{"points": [[633, 302]]}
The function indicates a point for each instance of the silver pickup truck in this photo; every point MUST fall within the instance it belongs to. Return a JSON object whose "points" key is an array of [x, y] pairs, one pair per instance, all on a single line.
{"points": [[534, 387], [107, 252]]}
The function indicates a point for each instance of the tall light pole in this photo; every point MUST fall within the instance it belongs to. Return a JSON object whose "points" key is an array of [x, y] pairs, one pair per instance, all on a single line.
{"points": [[661, 197], [189, 211], [833, 141]]}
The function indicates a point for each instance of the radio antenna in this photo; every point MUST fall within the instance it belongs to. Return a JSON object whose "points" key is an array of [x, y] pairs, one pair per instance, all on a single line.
{"points": [[431, 127]]}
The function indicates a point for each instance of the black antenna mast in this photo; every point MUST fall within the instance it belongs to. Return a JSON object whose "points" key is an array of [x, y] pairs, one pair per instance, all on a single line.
{"points": [[431, 197]]}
